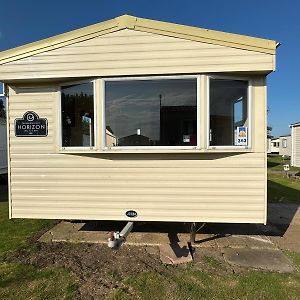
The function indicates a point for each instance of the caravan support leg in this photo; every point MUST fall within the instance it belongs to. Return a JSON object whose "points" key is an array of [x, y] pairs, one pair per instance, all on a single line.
{"points": [[193, 232]]}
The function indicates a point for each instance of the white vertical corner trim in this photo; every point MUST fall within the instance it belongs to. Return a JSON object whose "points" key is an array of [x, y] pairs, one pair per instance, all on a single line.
{"points": [[58, 120], [207, 112], [265, 154], [98, 112], [8, 153], [250, 108], [95, 98], [103, 121], [292, 156], [199, 145]]}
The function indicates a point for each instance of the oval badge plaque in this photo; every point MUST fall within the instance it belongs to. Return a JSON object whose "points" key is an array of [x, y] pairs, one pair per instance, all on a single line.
{"points": [[131, 213]]}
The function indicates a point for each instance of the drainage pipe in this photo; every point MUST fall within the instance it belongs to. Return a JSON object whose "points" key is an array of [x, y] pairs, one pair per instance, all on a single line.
{"points": [[116, 239]]}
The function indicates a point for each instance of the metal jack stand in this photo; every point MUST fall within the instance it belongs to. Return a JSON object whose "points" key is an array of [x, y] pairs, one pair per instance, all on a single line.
{"points": [[194, 228], [193, 232]]}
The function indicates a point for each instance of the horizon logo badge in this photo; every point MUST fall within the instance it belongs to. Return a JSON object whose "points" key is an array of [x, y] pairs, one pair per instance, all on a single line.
{"points": [[31, 125], [131, 213]]}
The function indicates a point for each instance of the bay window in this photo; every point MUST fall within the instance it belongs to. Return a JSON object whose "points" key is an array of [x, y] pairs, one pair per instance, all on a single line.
{"points": [[149, 113]]}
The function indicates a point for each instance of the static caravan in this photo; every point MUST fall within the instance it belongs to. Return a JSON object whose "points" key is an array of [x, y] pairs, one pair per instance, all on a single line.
{"points": [[269, 145], [295, 136], [136, 119], [285, 145]]}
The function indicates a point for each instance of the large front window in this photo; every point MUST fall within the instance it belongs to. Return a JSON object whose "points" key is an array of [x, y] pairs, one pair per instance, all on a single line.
{"points": [[228, 112], [158, 112], [77, 115]]}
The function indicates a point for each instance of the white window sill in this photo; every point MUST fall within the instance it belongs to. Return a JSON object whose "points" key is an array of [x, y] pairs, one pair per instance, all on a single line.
{"points": [[155, 150]]}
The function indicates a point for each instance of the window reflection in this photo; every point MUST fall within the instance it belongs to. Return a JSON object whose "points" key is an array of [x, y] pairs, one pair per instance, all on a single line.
{"points": [[228, 112], [77, 114], [151, 112]]}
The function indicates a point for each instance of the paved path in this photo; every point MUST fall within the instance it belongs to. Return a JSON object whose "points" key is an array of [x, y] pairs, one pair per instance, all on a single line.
{"points": [[248, 245]]}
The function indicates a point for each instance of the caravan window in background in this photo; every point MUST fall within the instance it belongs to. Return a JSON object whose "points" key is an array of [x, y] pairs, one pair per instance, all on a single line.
{"points": [[228, 112], [77, 115], [2, 102], [284, 143]]}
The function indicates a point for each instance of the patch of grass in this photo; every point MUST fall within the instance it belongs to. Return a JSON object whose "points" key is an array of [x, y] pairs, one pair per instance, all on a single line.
{"points": [[149, 285], [262, 285], [282, 189], [275, 163], [19, 281], [212, 261], [183, 284], [27, 282], [294, 256], [14, 233], [120, 294]]}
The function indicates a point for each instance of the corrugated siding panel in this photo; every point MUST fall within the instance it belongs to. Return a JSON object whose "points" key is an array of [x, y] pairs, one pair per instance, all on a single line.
{"points": [[212, 188], [130, 52], [204, 187]]}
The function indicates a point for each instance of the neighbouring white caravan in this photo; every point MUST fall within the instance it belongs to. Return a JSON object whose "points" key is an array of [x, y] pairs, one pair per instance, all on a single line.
{"points": [[136, 119], [285, 145], [295, 136], [268, 145]]}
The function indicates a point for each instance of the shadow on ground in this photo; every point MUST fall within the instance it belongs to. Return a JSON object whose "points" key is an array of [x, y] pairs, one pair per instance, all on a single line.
{"points": [[280, 217], [280, 193], [272, 164]]}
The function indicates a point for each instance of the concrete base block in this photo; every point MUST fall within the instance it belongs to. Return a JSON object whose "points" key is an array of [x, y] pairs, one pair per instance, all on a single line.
{"points": [[173, 254]]}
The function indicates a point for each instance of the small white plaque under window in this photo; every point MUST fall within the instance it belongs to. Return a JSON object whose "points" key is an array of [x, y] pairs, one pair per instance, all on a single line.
{"points": [[241, 136]]}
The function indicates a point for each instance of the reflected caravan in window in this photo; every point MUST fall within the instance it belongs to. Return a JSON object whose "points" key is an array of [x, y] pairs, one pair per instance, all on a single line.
{"points": [[77, 115], [159, 112], [228, 107]]}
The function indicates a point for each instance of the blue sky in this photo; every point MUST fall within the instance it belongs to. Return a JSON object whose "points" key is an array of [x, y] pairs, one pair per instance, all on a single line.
{"points": [[27, 21]]}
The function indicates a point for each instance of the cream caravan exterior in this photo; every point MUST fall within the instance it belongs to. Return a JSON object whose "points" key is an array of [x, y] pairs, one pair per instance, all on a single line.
{"points": [[163, 120], [295, 137]]}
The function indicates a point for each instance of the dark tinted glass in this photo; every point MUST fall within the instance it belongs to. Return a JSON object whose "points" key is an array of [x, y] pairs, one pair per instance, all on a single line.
{"points": [[77, 114], [151, 112]]}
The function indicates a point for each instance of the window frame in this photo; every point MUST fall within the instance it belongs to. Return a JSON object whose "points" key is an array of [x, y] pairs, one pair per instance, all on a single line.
{"points": [[249, 113], [59, 126], [284, 143], [165, 77]]}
